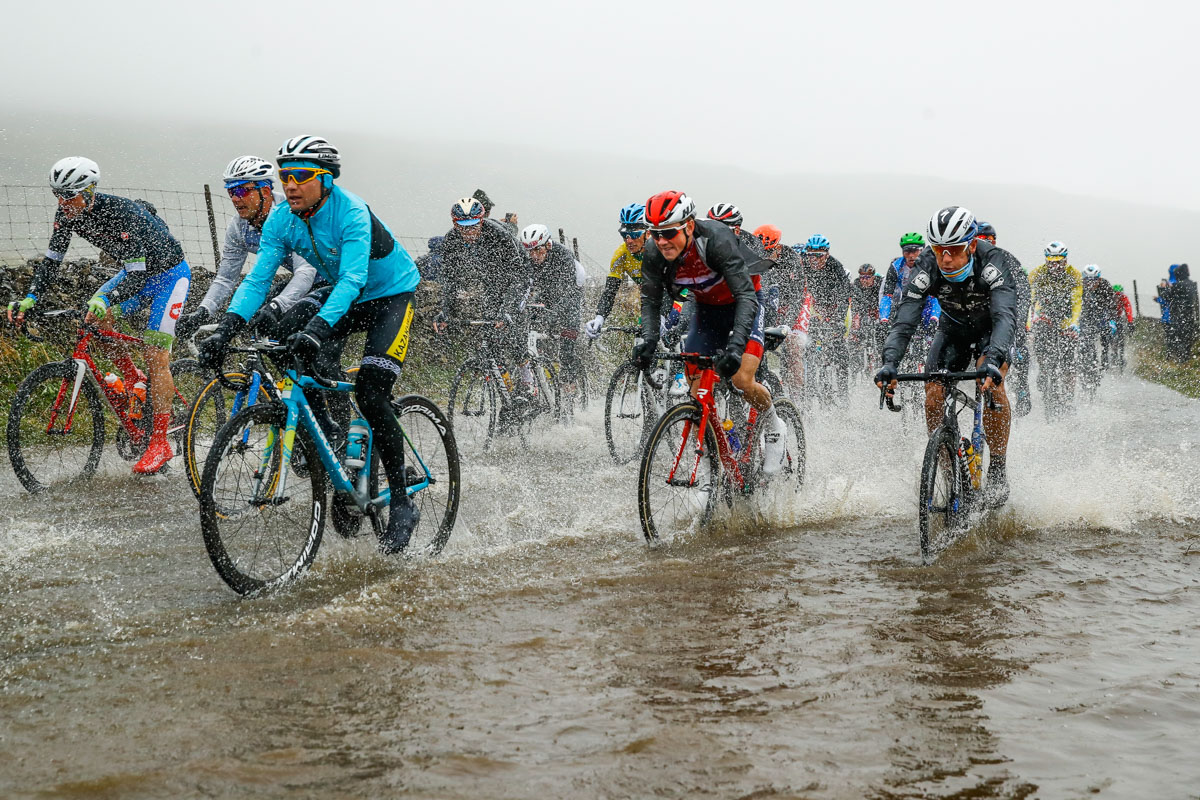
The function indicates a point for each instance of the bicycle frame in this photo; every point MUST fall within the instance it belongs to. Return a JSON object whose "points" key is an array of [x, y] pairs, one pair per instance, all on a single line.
{"points": [[955, 400]]}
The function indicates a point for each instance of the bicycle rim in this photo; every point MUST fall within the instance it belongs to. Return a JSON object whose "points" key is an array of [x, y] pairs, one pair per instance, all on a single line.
{"points": [[474, 409], [942, 504], [625, 418], [43, 450], [209, 410], [677, 486], [258, 540]]}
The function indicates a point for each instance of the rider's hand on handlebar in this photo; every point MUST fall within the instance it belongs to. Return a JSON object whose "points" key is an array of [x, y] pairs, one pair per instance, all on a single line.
{"points": [[593, 327], [995, 375], [886, 375], [17, 309], [213, 349], [643, 353]]}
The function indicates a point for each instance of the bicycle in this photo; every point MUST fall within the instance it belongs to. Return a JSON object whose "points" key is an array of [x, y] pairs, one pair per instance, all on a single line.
{"points": [[486, 400], [695, 454], [263, 515], [56, 428], [953, 479]]}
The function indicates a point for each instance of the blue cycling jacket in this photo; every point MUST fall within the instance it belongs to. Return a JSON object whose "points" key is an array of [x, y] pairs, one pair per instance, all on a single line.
{"points": [[348, 245], [893, 290]]}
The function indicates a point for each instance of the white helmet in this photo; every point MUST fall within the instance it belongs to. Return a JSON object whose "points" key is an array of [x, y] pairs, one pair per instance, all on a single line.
{"points": [[535, 236], [952, 225], [1056, 251], [248, 168], [310, 148], [1091, 271], [73, 174]]}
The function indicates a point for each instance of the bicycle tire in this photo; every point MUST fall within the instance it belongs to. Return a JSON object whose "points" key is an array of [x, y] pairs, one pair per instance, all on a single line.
{"points": [[940, 518], [208, 411], [796, 465], [259, 567], [617, 437], [34, 398], [473, 408], [694, 507]]}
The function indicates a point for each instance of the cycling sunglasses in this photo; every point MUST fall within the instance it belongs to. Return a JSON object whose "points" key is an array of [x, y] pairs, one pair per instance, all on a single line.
{"points": [[242, 189], [67, 194], [632, 233], [658, 234], [952, 249], [909, 249], [300, 175]]}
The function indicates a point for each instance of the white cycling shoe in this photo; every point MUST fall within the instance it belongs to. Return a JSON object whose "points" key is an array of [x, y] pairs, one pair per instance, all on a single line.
{"points": [[774, 446]]}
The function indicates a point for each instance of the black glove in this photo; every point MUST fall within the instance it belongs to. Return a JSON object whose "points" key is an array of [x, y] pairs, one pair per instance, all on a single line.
{"points": [[729, 361], [886, 374], [306, 344], [992, 367], [213, 349], [643, 353], [190, 323], [265, 319]]}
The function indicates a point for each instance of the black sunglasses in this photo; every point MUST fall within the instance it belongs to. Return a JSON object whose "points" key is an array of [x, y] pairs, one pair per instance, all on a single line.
{"points": [[658, 234]]}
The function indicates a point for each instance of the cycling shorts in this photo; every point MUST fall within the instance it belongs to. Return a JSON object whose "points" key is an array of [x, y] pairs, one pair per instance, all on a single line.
{"points": [[165, 294], [711, 325], [957, 349], [387, 321]]}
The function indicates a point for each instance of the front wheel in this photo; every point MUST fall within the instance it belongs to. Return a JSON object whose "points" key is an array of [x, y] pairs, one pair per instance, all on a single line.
{"points": [[261, 532], [55, 427], [628, 413], [942, 510], [680, 474]]}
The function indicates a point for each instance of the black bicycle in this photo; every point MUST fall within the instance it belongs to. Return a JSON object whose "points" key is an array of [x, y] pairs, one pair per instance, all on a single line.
{"points": [[953, 478]]}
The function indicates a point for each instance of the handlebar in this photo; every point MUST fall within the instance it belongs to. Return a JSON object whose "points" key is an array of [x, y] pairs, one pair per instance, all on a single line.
{"points": [[945, 378], [61, 313]]}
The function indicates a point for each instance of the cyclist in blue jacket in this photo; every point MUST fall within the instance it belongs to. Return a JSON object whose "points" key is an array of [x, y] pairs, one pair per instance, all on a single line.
{"points": [[372, 279]]}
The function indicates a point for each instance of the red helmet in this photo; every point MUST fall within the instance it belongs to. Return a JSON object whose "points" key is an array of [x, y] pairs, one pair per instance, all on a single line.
{"points": [[669, 208], [769, 235]]}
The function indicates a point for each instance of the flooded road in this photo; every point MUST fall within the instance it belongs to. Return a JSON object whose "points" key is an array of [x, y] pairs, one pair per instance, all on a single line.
{"points": [[789, 652]]}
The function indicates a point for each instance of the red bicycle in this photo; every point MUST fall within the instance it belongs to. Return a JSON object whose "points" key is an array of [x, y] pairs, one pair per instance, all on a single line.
{"points": [[700, 450], [56, 427]]}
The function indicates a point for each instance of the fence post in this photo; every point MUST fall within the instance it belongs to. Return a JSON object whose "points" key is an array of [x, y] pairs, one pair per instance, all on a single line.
{"points": [[562, 236], [1137, 307], [212, 228], [575, 245]]}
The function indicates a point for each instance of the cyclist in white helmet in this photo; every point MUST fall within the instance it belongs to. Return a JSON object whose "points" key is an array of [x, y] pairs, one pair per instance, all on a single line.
{"points": [[554, 285], [249, 181]]}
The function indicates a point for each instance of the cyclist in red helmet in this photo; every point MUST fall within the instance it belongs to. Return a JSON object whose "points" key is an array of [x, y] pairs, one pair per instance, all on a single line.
{"points": [[705, 258]]}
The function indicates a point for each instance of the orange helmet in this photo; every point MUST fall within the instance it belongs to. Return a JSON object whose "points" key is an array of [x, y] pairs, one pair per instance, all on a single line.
{"points": [[769, 235]]}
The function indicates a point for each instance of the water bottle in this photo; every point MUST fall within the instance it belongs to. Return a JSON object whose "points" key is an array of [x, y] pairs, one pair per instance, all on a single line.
{"points": [[137, 399], [731, 435], [114, 383], [355, 439]]}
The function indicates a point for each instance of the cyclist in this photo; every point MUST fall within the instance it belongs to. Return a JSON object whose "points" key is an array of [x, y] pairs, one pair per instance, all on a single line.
{"points": [[1098, 318], [704, 257], [898, 273], [1057, 303], [864, 307], [372, 280], [785, 262], [249, 182], [1124, 321], [555, 286], [1021, 363], [731, 215], [826, 281], [154, 274], [626, 263], [973, 282]]}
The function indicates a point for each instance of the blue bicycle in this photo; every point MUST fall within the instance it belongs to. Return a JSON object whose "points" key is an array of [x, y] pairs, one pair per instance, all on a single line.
{"points": [[953, 476], [263, 490]]}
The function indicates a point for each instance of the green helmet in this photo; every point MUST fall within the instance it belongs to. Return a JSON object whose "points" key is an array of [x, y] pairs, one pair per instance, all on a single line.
{"points": [[912, 238], [1118, 287]]}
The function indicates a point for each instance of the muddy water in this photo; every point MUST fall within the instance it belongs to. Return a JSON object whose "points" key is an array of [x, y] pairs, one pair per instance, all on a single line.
{"points": [[796, 651]]}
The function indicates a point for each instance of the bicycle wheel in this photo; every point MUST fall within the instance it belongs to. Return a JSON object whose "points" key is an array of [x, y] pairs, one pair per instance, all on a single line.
{"points": [[47, 444], [548, 400], [189, 380], [474, 408], [794, 465], [209, 410], [431, 465], [677, 486], [259, 541], [942, 502], [625, 419]]}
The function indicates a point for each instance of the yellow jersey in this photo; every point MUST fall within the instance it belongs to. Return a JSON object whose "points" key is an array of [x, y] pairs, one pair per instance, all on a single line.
{"points": [[1057, 294]]}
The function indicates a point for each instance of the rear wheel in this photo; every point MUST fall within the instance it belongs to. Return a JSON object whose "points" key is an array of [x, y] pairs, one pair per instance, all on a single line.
{"points": [[49, 442], [211, 408], [474, 408], [678, 482], [942, 510], [257, 538]]}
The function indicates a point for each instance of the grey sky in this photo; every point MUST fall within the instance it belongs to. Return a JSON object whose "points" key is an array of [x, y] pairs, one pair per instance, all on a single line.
{"points": [[1088, 98]]}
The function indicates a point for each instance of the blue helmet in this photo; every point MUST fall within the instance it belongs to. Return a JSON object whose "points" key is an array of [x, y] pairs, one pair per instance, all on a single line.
{"points": [[817, 242], [633, 216]]}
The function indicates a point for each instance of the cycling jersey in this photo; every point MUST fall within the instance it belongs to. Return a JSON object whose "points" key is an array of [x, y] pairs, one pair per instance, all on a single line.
{"points": [[493, 269], [554, 285], [865, 301], [624, 265], [712, 268], [1057, 293], [347, 245], [242, 239], [1099, 303], [829, 286], [893, 291], [1124, 308], [981, 308], [123, 229]]}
